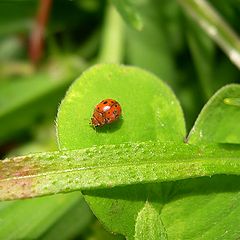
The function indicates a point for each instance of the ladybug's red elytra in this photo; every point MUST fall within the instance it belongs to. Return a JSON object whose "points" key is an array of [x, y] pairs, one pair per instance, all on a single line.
{"points": [[107, 111]]}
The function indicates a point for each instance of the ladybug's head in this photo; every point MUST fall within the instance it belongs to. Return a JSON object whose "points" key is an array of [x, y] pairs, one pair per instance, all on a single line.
{"points": [[94, 122]]}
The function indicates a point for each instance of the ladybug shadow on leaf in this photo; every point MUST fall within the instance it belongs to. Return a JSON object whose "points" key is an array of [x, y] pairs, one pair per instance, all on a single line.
{"points": [[110, 128]]}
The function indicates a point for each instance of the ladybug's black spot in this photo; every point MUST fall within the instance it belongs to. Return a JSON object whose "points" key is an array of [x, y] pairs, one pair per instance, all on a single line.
{"points": [[108, 112], [116, 105], [97, 107], [105, 102]]}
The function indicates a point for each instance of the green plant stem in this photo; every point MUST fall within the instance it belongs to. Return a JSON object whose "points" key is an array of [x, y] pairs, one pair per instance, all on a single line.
{"points": [[113, 165], [215, 26], [112, 38]]}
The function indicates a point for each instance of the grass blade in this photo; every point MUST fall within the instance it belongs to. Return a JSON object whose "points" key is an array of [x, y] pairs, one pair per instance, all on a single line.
{"points": [[113, 165], [208, 18]]}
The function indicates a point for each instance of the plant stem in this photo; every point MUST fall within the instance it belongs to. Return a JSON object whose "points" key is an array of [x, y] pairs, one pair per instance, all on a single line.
{"points": [[112, 38], [37, 35]]}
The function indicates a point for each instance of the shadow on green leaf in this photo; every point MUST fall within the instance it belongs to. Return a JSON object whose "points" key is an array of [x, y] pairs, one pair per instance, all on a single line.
{"points": [[110, 128]]}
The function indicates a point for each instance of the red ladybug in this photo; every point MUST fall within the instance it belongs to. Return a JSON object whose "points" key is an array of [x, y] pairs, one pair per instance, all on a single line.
{"points": [[107, 111]]}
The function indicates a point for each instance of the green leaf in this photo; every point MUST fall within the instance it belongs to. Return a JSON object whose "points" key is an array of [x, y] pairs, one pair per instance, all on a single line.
{"points": [[204, 208], [143, 97], [119, 178], [18, 215], [112, 165], [150, 112], [72, 223], [151, 162], [51, 214], [26, 99], [27, 106], [16, 16], [218, 121], [149, 225], [118, 208], [129, 13]]}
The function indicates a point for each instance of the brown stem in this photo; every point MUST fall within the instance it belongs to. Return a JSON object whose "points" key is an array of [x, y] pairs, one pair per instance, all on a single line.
{"points": [[37, 35]]}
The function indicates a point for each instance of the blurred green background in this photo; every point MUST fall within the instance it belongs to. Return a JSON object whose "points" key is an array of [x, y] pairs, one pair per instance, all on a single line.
{"points": [[45, 45]]}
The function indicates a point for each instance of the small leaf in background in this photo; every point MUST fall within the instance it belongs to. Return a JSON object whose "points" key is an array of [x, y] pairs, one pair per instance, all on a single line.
{"points": [[39, 95], [39, 98], [72, 223], [218, 122], [129, 13], [30, 219], [149, 224], [16, 16]]}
